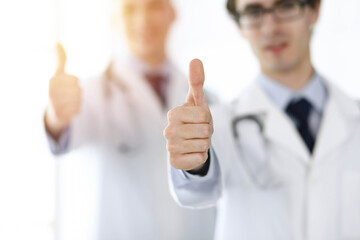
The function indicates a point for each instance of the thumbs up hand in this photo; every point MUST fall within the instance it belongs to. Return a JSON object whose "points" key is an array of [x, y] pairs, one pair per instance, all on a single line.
{"points": [[64, 97], [190, 126]]}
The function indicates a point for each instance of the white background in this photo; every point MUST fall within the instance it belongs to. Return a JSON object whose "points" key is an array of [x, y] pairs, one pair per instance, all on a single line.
{"points": [[28, 31]]}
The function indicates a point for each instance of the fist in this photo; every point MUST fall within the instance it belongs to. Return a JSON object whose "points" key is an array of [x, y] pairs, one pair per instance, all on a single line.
{"points": [[190, 126], [64, 97]]}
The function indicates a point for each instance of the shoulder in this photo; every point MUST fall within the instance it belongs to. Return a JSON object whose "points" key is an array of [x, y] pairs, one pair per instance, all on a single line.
{"points": [[211, 97], [347, 105]]}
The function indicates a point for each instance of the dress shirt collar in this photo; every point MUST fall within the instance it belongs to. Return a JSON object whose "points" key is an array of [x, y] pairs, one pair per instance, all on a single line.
{"points": [[144, 68], [314, 91]]}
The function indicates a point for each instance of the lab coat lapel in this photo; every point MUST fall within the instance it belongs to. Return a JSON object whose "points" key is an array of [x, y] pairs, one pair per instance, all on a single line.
{"points": [[278, 127], [175, 93], [335, 128], [141, 92], [177, 89]]}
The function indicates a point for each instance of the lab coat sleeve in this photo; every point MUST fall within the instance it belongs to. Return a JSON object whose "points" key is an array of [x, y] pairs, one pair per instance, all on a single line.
{"points": [[194, 191], [61, 145], [81, 128]]}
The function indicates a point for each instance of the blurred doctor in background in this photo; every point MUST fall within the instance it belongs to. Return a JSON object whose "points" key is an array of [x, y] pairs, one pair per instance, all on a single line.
{"points": [[120, 116]]}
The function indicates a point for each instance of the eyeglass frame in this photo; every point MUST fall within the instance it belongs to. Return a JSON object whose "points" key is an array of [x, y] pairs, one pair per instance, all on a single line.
{"points": [[272, 10]]}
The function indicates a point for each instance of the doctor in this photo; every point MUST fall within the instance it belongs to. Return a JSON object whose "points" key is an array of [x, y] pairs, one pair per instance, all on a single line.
{"points": [[284, 160], [118, 119]]}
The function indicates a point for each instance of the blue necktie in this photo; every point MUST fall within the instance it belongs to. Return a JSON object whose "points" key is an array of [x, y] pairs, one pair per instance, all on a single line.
{"points": [[299, 110]]}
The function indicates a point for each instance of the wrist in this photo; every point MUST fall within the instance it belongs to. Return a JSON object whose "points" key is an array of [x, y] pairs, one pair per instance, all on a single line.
{"points": [[52, 125]]}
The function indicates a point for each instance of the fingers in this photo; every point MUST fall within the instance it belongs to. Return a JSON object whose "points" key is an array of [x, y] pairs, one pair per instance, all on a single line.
{"points": [[61, 58], [64, 88], [188, 161], [195, 131], [63, 103], [65, 79], [189, 114], [189, 146], [66, 112], [196, 95], [188, 136]]}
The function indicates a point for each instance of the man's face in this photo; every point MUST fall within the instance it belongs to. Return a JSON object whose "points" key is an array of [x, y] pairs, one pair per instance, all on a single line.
{"points": [[279, 46], [146, 24]]}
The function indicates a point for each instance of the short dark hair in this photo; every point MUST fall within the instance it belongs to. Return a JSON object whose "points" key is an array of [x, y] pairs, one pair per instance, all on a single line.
{"points": [[231, 7]]}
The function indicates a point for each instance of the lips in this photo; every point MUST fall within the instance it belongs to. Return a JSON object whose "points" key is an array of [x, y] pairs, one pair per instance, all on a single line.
{"points": [[276, 48]]}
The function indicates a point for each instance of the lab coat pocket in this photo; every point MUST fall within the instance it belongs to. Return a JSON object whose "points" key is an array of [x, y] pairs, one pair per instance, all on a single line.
{"points": [[350, 205]]}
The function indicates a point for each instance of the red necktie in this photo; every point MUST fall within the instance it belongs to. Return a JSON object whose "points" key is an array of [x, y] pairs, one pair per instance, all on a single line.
{"points": [[156, 81]]}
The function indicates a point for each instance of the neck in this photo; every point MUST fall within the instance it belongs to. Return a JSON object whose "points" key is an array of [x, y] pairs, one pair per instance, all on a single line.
{"points": [[154, 59], [295, 78]]}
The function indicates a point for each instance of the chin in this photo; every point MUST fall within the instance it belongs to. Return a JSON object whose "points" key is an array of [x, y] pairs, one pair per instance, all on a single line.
{"points": [[282, 68], [279, 66], [143, 50]]}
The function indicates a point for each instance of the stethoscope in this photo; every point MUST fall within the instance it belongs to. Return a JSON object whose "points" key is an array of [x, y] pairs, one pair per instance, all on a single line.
{"points": [[111, 82], [255, 154]]}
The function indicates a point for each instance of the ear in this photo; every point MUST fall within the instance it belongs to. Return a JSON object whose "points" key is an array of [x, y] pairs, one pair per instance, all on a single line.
{"points": [[173, 14], [316, 13], [242, 32]]}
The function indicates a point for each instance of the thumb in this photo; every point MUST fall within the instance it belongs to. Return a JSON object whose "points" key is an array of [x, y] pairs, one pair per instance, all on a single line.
{"points": [[196, 93], [61, 58]]}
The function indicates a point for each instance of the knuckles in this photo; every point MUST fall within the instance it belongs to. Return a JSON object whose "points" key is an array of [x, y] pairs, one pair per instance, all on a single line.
{"points": [[192, 162], [172, 115], [205, 130], [198, 147], [169, 132], [202, 159], [171, 147], [202, 115], [204, 145], [199, 159], [175, 161], [193, 114]]}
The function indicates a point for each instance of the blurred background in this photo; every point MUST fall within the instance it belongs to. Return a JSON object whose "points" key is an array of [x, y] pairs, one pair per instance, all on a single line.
{"points": [[30, 179]]}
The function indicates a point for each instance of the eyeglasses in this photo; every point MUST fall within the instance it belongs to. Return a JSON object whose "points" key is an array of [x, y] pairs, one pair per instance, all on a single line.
{"points": [[253, 15]]}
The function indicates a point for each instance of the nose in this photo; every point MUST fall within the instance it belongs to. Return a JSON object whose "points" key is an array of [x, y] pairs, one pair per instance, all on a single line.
{"points": [[141, 19], [269, 23]]}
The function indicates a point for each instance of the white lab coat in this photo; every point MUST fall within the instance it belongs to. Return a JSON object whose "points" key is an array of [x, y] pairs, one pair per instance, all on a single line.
{"points": [[121, 178], [317, 197]]}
